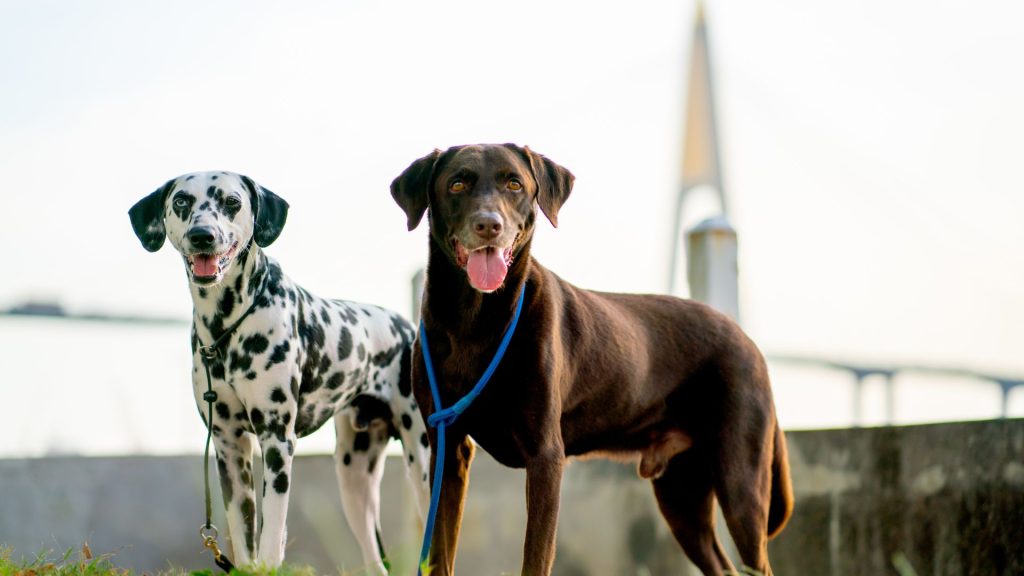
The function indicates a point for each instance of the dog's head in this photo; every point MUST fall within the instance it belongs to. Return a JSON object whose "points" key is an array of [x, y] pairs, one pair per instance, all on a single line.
{"points": [[209, 217], [482, 201]]}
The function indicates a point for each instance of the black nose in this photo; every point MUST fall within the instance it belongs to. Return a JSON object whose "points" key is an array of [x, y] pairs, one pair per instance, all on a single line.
{"points": [[487, 225], [200, 238]]}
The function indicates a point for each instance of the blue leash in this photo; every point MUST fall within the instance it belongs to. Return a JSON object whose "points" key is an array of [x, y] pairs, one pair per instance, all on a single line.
{"points": [[444, 417]]}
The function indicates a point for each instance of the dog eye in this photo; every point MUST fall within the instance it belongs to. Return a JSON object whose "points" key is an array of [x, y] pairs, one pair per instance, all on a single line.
{"points": [[232, 201], [457, 186], [515, 185], [181, 202]]}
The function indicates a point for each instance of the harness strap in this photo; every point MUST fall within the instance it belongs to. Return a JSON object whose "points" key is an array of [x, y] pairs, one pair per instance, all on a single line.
{"points": [[208, 531], [444, 417]]}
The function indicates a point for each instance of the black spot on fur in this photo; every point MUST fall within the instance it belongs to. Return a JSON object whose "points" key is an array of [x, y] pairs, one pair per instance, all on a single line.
{"points": [[281, 483], [274, 460], [217, 370], [256, 417], [361, 442], [255, 344], [325, 316], [227, 302], [312, 333], [347, 459], [361, 351], [406, 421], [239, 363], [227, 489], [344, 343], [249, 518], [278, 396], [386, 357], [279, 354], [424, 440], [404, 376], [335, 381], [222, 410]]}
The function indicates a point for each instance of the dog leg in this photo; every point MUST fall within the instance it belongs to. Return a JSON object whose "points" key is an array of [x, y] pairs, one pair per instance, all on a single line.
{"points": [[359, 459], [278, 450], [686, 498], [543, 488], [415, 450], [459, 458], [745, 495], [234, 468]]}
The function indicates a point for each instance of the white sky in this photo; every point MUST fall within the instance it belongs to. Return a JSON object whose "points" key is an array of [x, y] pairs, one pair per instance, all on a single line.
{"points": [[872, 150]]}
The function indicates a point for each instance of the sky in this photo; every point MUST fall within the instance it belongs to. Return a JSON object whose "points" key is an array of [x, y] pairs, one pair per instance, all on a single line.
{"points": [[871, 150]]}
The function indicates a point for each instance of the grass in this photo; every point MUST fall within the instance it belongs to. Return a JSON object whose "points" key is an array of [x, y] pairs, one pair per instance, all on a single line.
{"points": [[85, 563]]}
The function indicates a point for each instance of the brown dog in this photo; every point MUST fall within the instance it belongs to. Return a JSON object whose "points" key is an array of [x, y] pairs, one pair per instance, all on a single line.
{"points": [[669, 382]]}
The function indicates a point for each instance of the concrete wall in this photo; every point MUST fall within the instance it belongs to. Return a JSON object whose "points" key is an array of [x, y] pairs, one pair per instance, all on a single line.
{"points": [[950, 497]]}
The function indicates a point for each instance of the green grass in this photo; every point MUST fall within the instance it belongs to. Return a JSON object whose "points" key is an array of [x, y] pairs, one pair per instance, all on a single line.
{"points": [[83, 562]]}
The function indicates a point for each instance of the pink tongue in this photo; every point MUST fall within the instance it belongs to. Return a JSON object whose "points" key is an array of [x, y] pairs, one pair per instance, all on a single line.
{"points": [[486, 269], [204, 265]]}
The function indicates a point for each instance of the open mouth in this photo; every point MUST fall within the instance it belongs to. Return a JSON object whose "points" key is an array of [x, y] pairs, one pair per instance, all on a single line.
{"points": [[207, 268], [486, 266]]}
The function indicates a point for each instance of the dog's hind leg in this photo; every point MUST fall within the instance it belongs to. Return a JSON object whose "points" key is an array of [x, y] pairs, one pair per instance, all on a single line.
{"points": [[686, 498], [359, 459], [415, 450], [744, 491], [743, 473]]}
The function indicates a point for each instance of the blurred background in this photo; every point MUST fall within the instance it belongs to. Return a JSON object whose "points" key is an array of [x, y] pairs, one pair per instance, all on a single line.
{"points": [[868, 154]]}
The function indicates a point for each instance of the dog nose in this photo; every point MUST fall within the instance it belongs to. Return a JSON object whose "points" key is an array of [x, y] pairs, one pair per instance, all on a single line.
{"points": [[200, 238], [487, 225]]}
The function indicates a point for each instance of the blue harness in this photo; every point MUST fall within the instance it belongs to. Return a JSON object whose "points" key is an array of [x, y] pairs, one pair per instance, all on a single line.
{"points": [[444, 417]]}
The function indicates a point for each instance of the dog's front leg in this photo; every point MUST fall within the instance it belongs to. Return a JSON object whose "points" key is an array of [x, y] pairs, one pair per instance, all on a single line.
{"points": [[277, 442], [234, 468], [543, 483], [459, 457]]}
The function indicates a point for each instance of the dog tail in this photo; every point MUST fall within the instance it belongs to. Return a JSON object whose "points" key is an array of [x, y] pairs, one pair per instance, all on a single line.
{"points": [[781, 507]]}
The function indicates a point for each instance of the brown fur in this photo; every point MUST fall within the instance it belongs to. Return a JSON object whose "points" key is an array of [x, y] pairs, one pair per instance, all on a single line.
{"points": [[670, 382]]}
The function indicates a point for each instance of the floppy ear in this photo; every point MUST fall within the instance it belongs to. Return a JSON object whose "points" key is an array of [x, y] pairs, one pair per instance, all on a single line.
{"points": [[553, 184], [147, 216], [410, 189], [269, 213]]}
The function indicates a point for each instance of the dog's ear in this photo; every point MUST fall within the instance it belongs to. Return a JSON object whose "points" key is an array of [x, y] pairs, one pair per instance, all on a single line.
{"points": [[554, 183], [147, 216], [269, 213], [411, 189]]}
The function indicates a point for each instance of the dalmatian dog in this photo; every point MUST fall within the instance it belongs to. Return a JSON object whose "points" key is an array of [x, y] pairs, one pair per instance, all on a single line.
{"points": [[294, 362]]}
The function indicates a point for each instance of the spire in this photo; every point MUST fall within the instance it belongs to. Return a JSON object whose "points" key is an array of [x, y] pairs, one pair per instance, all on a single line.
{"points": [[700, 157], [699, 160]]}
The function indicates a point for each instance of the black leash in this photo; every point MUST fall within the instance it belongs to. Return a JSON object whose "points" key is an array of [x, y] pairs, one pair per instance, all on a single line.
{"points": [[208, 531]]}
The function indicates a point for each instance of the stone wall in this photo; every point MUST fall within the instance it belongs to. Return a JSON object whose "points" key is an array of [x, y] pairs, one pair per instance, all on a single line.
{"points": [[949, 497]]}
